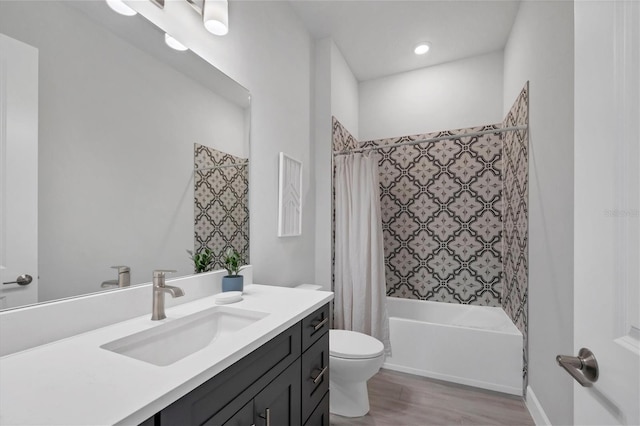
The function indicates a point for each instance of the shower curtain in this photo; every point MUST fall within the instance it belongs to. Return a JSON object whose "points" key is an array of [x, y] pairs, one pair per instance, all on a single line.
{"points": [[360, 287]]}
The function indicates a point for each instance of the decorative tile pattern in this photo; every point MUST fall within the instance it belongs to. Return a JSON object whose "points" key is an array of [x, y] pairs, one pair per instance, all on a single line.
{"points": [[342, 140], [442, 216], [221, 203], [516, 219]]}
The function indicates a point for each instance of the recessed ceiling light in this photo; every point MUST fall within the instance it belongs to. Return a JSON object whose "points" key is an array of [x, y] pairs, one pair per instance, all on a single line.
{"points": [[120, 7], [422, 48], [173, 43]]}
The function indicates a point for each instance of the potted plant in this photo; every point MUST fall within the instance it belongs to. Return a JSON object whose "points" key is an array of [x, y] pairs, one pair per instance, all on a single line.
{"points": [[233, 281], [202, 260]]}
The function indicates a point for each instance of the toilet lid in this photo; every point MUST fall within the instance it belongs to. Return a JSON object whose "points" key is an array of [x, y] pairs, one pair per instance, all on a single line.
{"points": [[353, 345]]}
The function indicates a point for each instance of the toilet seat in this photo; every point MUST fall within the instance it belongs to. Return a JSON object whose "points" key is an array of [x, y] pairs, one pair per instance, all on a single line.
{"points": [[353, 345]]}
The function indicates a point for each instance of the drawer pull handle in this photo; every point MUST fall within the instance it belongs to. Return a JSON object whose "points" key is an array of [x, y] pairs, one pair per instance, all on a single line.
{"points": [[320, 374], [266, 416], [319, 325]]}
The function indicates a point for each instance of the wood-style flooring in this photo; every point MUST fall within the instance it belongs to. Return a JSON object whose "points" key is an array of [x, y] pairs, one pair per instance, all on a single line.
{"points": [[399, 399]]}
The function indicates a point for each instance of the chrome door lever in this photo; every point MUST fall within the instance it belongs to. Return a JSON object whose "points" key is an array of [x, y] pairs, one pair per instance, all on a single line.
{"points": [[24, 279], [583, 368]]}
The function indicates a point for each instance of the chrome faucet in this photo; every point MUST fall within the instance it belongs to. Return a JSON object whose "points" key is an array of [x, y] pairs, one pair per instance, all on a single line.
{"points": [[124, 278], [159, 289]]}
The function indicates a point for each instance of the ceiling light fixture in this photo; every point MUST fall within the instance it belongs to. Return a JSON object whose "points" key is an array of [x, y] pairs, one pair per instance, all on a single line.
{"points": [[120, 7], [173, 43], [422, 48], [215, 16]]}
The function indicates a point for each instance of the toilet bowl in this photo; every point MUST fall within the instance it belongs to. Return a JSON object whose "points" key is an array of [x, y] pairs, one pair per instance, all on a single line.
{"points": [[353, 359]]}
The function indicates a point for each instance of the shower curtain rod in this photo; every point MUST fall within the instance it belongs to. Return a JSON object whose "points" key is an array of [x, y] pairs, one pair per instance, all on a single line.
{"points": [[224, 166], [439, 138]]}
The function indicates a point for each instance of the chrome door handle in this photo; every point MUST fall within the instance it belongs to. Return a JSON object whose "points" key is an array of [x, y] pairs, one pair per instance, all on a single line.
{"points": [[24, 279], [583, 368]]}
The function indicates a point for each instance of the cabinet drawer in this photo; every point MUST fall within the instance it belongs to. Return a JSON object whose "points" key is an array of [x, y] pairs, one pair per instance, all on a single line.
{"points": [[228, 389], [320, 416], [315, 375], [314, 326]]}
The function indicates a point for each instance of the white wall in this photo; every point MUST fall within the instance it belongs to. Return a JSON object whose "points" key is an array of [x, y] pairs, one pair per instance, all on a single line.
{"points": [[457, 94], [335, 94], [322, 161], [540, 49], [344, 92], [269, 52]]}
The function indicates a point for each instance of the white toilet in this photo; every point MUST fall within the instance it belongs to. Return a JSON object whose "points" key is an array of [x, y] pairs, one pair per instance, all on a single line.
{"points": [[353, 359]]}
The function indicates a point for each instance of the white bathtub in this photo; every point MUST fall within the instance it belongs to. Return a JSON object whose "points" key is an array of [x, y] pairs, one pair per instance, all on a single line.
{"points": [[471, 345]]}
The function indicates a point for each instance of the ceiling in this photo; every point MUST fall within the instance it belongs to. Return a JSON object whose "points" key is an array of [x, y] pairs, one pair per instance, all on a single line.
{"points": [[377, 37]]}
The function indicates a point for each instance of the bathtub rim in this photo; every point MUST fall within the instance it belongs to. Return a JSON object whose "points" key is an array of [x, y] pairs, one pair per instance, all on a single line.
{"points": [[514, 332], [513, 329]]}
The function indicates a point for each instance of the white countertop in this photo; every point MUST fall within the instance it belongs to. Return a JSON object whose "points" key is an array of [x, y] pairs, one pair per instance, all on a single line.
{"points": [[75, 382]]}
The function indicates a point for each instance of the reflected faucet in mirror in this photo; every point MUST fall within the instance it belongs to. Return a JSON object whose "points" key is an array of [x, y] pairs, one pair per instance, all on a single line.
{"points": [[124, 278]]}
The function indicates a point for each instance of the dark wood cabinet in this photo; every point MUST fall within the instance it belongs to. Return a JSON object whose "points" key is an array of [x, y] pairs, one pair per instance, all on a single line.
{"points": [[320, 416], [279, 402], [314, 326], [285, 382], [243, 417], [315, 375]]}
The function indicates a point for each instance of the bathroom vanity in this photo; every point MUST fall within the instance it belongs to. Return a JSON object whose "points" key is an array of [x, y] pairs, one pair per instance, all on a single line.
{"points": [[271, 369], [284, 382]]}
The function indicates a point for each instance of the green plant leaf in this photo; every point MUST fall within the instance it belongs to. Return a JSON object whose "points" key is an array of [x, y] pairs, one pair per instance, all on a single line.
{"points": [[202, 260]]}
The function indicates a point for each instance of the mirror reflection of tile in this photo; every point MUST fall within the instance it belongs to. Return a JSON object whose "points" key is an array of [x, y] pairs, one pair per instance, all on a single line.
{"points": [[221, 203]]}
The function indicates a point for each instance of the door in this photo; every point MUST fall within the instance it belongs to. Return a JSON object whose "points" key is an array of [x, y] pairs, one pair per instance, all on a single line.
{"points": [[278, 404], [607, 189], [18, 171]]}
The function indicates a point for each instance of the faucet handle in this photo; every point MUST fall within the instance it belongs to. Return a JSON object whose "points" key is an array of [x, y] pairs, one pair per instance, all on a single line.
{"points": [[159, 273], [122, 268]]}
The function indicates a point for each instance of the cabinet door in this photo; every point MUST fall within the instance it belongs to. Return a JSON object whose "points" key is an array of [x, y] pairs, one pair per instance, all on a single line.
{"points": [[244, 417], [320, 416], [278, 404]]}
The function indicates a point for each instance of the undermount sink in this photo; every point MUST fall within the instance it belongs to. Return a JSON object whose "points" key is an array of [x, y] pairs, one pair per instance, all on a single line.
{"points": [[170, 342]]}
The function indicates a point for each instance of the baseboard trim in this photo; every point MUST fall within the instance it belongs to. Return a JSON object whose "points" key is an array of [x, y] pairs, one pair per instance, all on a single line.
{"points": [[535, 409]]}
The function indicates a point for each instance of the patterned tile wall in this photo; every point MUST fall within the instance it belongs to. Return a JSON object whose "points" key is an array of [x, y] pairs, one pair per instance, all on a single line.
{"points": [[442, 216], [221, 203], [515, 291], [342, 140]]}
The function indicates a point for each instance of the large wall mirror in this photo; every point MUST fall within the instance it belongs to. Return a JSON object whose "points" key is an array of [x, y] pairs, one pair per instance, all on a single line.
{"points": [[119, 116]]}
